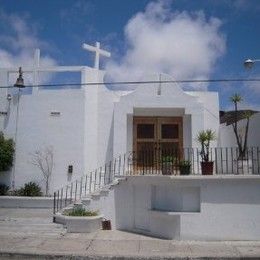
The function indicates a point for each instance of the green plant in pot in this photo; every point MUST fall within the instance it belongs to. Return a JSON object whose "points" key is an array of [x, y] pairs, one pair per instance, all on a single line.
{"points": [[204, 138], [184, 166], [167, 164]]}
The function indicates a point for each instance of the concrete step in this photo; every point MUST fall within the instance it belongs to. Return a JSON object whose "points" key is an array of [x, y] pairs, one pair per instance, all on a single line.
{"points": [[30, 228], [32, 234], [30, 225], [33, 224], [27, 220], [104, 191]]}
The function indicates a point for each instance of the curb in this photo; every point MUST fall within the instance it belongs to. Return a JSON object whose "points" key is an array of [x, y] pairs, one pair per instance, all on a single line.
{"points": [[14, 255]]}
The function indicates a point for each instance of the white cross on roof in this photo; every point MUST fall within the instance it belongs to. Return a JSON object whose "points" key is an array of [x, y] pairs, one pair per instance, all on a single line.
{"points": [[98, 52]]}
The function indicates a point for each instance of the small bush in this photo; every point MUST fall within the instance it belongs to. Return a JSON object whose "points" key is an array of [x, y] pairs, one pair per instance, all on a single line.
{"points": [[15, 192], [3, 189], [30, 189], [80, 212], [184, 163]]}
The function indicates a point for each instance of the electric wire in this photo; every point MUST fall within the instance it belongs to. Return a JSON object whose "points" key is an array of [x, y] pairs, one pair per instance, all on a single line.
{"points": [[138, 82]]}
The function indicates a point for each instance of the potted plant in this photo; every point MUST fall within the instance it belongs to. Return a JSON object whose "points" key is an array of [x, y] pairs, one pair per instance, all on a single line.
{"points": [[167, 164], [184, 166], [80, 220], [204, 138]]}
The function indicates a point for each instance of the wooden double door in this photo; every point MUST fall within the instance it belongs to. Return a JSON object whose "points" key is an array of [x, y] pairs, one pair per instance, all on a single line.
{"points": [[157, 137]]}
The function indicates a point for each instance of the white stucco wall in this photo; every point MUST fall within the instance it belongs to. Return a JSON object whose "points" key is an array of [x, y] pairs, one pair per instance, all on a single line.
{"points": [[95, 124], [81, 135], [210, 101], [38, 129], [200, 111], [105, 127], [190, 207]]}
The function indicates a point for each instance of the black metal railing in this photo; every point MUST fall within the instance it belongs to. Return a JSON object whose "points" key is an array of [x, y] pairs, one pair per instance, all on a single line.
{"points": [[157, 162], [79, 188], [226, 161]]}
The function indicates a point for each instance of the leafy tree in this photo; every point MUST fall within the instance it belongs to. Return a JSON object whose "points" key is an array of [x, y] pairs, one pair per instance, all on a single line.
{"points": [[6, 153]]}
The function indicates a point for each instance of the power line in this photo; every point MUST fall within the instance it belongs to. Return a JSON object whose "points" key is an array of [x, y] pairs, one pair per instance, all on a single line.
{"points": [[139, 82]]}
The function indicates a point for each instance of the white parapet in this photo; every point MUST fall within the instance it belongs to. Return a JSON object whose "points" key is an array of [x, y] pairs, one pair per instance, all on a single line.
{"points": [[25, 202], [224, 207]]}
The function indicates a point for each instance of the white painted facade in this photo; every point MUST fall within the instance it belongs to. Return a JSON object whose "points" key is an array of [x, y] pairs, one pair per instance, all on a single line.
{"points": [[185, 207], [92, 124]]}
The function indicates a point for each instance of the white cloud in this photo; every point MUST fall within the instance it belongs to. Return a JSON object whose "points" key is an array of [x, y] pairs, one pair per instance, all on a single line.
{"points": [[184, 45], [17, 45], [253, 86]]}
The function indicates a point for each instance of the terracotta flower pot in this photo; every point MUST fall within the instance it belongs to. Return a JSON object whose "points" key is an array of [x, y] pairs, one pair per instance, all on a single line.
{"points": [[207, 168], [167, 168]]}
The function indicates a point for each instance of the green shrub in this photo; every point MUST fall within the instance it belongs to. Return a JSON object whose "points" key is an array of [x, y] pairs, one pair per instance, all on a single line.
{"points": [[3, 189], [184, 163], [169, 159], [15, 192], [29, 189], [80, 212], [6, 153]]}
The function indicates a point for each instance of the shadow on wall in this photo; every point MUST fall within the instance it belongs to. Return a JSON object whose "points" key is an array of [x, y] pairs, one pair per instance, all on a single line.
{"points": [[124, 204], [109, 151]]}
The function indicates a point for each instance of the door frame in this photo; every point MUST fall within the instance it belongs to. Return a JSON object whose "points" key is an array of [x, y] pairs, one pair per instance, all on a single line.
{"points": [[157, 140]]}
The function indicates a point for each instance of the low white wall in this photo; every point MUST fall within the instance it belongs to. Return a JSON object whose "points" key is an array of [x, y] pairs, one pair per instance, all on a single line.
{"points": [[80, 224], [190, 207], [104, 204], [25, 202]]}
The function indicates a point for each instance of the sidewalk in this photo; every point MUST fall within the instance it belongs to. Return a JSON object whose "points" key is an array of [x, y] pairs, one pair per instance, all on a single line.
{"points": [[31, 235]]}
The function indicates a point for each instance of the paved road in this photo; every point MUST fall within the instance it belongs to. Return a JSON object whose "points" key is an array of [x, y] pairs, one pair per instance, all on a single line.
{"points": [[30, 234]]}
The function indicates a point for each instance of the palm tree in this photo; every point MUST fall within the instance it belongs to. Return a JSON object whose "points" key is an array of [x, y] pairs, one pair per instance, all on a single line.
{"points": [[235, 99]]}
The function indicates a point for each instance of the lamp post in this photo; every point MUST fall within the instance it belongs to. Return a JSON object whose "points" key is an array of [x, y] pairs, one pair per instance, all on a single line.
{"points": [[249, 63], [18, 84]]}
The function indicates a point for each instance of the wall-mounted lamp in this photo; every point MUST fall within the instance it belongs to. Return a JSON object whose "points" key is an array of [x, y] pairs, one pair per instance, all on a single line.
{"points": [[250, 63], [70, 169]]}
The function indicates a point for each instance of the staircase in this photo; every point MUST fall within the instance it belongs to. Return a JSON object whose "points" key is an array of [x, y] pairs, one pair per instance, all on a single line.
{"points": [[101, 200], [13, 226], [94, 186], [96, 183]]}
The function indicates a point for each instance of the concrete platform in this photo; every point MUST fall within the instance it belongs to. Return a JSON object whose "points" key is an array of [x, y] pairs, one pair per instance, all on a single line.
{"points": [[31, 235]]}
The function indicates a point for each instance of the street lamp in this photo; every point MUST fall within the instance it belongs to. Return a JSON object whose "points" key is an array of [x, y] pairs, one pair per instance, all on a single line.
{"points": [[250, 63], [18, 84]]}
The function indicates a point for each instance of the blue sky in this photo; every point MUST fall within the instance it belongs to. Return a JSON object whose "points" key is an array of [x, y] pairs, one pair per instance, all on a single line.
{"points": [[187, 39]]}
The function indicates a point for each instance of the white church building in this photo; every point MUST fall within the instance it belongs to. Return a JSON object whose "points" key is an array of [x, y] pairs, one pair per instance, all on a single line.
{"points": [[88, 126]]}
